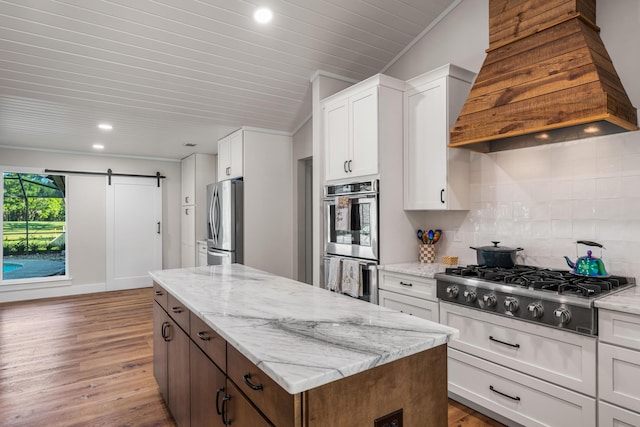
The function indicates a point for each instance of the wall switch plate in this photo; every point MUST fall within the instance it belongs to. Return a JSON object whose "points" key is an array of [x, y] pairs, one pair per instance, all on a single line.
{"points": [[393, 419]]}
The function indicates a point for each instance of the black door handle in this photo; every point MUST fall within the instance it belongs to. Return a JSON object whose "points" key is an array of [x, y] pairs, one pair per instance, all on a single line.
{"points": [[442, 196]]}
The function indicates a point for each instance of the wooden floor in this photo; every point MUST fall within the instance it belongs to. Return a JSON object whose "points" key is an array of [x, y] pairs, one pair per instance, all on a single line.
{"points": [[87, 361]]}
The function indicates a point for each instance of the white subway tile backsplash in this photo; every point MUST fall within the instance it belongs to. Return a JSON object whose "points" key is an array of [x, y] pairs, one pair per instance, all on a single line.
{"points": [[614, 230], [561, 228], [630, 185], [631, 207], [609, 166], [546, 198], [608, 188], [562, 209], [540, 229], [610, 209], [610, 146], [584, 188], [584, 229], [561, 189], [541, 211], [504, 210], [631, 164], [583, 209]]}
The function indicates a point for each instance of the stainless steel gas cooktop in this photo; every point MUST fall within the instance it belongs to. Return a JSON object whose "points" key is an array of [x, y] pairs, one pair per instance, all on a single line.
{"points": [[554, 298]]}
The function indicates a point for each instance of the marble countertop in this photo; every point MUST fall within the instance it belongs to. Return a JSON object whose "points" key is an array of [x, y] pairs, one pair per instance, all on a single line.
{"points": [[301, 336], [627, 301], [415, 268]]}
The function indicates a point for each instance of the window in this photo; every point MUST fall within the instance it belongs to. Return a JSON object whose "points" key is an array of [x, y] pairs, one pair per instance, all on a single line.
{"points": [[34, 226]]}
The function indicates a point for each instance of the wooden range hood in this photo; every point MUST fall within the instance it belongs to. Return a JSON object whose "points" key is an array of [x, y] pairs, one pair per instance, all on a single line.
{"points": [[547, 78]]}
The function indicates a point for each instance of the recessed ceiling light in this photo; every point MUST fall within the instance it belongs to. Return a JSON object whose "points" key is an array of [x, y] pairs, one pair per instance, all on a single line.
{"points": [[263, 15], [105, 126], [98, 146]]}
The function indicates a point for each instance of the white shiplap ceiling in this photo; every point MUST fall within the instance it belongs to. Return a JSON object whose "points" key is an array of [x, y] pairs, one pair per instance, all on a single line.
{"points": [[168, 72]]}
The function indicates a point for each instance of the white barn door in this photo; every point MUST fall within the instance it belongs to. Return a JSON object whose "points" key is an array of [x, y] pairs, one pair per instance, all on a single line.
{"points": [[134, 227]]}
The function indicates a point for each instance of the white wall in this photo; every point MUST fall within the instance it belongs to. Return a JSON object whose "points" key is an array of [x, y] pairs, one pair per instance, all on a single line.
{"points": [[543, 198], [86, 216], [268, 207]]}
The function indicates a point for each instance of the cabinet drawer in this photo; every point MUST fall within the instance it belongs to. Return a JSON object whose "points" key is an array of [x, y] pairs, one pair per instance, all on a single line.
{"points": [[178, 312], [269, 397], [557, 356], [419, 287], [209, 341], [410, 305], [613, 416], [619, 328], [160, 295], [239, 411], [619, 376], [519, 397]]}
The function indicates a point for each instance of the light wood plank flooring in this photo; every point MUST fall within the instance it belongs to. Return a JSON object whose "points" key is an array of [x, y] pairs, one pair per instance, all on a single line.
{"points": [[87, 361]]}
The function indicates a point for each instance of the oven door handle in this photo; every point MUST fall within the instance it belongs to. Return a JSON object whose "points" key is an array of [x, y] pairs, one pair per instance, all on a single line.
{"points": [[359, 196]]}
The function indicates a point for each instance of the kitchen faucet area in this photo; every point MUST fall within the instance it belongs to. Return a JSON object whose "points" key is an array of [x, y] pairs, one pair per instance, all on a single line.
{"points": [[361, 213]]}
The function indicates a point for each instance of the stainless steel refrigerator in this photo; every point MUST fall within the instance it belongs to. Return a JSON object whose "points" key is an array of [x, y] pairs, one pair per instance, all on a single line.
{"points": [[225, 222]]}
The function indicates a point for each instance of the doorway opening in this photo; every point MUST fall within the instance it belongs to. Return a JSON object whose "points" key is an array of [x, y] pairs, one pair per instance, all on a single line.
{"points": [[305, 220]]}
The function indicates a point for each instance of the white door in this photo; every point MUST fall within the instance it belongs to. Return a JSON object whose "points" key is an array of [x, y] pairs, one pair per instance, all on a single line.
{"points": [[134, 232]]}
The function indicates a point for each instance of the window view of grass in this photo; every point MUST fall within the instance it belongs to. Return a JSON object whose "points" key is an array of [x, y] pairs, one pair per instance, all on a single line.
{"points": [[33, 226]]}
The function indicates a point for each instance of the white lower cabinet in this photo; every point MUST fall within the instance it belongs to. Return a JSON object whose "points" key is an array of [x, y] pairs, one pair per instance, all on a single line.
{"points": [[519, 397], [564, 358], [615, 416], [619, 369], [410, 305], [410, 294], [532, 374]]}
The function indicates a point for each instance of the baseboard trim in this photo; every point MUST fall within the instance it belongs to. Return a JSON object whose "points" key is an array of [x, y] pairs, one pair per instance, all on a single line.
{"points": [[51, 291]]}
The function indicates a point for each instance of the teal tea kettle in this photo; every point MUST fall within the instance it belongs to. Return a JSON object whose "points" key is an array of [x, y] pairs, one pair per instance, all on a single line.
{"points": [[588, 265]]}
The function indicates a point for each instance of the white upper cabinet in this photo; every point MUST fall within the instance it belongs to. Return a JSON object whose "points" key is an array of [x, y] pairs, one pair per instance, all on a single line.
{"points": [[230, 156], [352, 122], [435, 177]]}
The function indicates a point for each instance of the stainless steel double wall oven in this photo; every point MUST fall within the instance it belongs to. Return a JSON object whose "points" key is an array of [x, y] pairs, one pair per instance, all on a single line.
{"points": [[352, 231]]}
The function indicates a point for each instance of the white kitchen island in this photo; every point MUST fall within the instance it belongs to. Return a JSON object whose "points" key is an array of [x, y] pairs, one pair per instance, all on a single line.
{"points": [[332, 359]]}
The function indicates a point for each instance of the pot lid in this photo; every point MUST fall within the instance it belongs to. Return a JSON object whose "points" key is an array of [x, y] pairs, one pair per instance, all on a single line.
{"points": [[496, 248]]}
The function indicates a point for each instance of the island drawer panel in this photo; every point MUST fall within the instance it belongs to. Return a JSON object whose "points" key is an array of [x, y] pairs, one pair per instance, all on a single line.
{"points": [[178, 312], [209, 341], [274, 401], [160, 295]]}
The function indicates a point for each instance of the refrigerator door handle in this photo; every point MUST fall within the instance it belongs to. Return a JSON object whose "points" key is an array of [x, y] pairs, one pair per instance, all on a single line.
{"points": [[211, 219], [216, 211]]}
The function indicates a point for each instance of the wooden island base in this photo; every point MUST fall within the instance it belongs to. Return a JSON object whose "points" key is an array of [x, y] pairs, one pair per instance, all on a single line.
{"points": [[416, 384], [206, 381]]}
